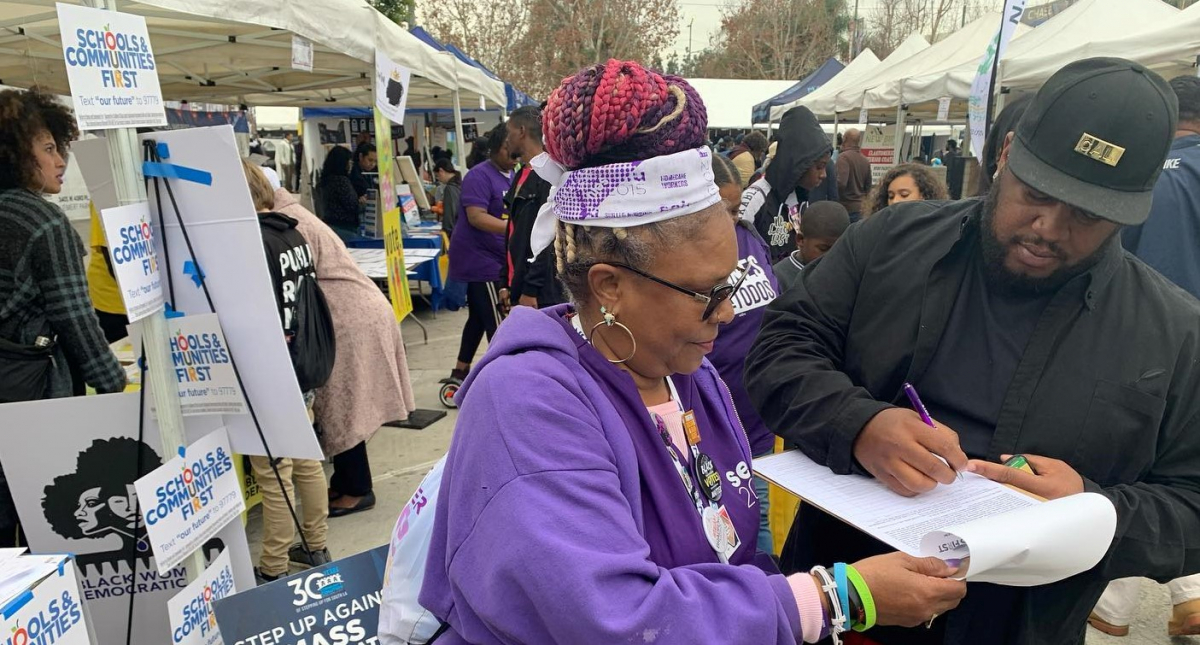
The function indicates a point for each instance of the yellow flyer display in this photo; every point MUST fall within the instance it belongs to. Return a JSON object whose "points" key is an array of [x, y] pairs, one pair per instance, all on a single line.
{"points": [[393, 241]]}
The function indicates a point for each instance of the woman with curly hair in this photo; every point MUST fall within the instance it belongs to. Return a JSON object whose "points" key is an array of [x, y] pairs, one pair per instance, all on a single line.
{"points": [[43, 284], [44, 301], [598, 487], [905, 183]]}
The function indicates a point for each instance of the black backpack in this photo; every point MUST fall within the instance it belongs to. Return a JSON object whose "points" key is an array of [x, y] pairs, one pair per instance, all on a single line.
{"points": [[312, 346]]}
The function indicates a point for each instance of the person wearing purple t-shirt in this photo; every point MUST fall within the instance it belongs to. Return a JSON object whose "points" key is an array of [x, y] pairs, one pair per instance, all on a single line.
{"points": [[477, 253], [729, 352]]}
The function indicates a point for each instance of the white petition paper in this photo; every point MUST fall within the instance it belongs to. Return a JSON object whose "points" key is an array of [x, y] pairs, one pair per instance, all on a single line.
{"points": [[1011, 538]]}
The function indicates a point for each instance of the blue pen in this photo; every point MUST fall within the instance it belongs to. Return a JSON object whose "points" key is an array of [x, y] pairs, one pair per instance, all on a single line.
{"points": [[915, 400]]}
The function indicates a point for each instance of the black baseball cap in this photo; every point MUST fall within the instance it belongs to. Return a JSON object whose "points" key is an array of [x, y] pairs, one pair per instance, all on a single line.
{"points": [[1096, 136]]}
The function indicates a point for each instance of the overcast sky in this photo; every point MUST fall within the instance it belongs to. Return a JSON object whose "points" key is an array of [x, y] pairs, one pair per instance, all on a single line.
{"points": [[705, 16]]}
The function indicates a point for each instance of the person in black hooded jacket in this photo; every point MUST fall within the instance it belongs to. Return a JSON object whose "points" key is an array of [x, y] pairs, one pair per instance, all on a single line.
{"points": [[774, 202]]}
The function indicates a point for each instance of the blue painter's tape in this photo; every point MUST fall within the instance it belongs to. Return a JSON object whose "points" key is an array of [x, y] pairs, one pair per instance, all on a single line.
{"points": [[172, 171], [16, 604], [170, 312], [182, 451], [193, 269], [164, 151]]}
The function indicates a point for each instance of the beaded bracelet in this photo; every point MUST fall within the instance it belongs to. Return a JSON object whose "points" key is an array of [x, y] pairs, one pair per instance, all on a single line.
{"points": [[859, 588]]}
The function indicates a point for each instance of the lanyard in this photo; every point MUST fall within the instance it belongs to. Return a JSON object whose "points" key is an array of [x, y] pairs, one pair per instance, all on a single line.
{"points": [[702, 474], [714, 520]]}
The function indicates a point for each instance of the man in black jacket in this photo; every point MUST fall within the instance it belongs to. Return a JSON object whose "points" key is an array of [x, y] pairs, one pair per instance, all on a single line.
{"points": [[532, 284], [774, 202], [1027, 329]]}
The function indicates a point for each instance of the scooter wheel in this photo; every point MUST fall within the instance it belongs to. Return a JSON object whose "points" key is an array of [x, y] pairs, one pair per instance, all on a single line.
{"points": [[449, 390]]}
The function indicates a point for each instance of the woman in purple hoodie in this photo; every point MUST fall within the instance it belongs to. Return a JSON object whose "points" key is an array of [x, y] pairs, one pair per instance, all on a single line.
{"points": [[589, 495]]}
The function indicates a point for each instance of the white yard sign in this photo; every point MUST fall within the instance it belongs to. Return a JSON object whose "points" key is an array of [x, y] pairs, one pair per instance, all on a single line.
{"points": [[187, 500], [111, 69], [391, 87], [134, 258], [192, 619]]}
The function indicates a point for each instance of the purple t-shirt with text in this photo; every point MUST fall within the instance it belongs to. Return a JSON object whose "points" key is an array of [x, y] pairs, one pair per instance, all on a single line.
{"points": [[477, 256], [735, 339]]}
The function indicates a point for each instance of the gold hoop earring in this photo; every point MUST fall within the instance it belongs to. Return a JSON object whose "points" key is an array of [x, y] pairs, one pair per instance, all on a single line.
{"points": [[610, 320]]}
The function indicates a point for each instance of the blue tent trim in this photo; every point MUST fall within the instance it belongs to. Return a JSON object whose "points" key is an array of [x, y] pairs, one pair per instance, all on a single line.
{"points": [[357, 112], [516, 98], [761, 113]]}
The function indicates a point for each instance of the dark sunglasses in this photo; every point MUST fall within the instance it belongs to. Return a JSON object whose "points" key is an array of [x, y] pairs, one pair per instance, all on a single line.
{"points": [[718, 294]]}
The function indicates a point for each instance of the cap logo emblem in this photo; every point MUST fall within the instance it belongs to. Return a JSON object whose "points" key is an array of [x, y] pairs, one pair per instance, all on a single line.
{"points": [[1096, 148]]}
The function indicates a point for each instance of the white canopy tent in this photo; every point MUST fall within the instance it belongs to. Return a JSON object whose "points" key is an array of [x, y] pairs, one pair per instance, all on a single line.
{"points": [[1056, 42], [1147, 31], [239, 51], [858, 68], [729, 102], [825, 101], [898, 86]]}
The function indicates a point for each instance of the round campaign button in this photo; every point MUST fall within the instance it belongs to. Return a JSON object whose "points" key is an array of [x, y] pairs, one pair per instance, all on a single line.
{"points": [[710, 479]]}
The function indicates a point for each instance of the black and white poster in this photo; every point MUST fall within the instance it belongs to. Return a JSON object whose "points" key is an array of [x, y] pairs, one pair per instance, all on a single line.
{"points": [[71, 465]]}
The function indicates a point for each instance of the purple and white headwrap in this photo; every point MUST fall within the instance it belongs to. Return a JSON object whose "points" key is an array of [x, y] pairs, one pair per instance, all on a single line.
{"points": [[624, 194]]}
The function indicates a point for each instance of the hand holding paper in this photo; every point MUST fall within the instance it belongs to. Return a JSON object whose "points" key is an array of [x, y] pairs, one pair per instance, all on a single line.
{"points": [[1010, 537], [908, 590]]}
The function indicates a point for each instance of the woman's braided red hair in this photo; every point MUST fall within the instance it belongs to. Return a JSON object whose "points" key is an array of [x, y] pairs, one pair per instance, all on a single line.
{"points": [[620, 111]]}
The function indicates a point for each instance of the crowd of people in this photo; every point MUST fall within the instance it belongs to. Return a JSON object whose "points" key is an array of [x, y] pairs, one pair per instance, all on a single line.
{"points": [[661, 312], [708, 313]]}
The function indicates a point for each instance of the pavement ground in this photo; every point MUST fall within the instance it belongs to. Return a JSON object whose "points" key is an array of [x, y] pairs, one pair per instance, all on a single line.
{"points": [[400, 458]]}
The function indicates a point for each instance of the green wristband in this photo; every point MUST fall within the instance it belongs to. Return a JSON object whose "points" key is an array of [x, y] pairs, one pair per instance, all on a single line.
{"points": [[864, 593]]}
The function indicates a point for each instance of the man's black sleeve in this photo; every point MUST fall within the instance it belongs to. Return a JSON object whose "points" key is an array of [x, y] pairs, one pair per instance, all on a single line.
{"points": [[794, 370], [1158, 516]]}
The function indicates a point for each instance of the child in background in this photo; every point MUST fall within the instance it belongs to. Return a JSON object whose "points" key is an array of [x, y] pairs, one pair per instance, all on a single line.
{"points": [[820, 227]]}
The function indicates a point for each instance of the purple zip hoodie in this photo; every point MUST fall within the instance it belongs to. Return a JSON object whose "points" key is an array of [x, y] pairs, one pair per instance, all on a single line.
{"points": [[562, 519]]}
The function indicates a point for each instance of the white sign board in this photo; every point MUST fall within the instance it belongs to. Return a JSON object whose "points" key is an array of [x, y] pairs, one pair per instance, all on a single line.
{"points": [[391, 87], [111, 69], [74, 198], [187, 500], [90, 157], [230, 263], [302, 53], [134, 258], [71, 465], [980, 100], [52, 611], [192, 619], [203, 365], [943, 109]]}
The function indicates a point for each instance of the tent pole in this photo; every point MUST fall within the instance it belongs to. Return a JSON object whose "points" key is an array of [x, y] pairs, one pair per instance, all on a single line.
{"points": [[125, 155], [835, 125], [460, 158], [899, 141]]}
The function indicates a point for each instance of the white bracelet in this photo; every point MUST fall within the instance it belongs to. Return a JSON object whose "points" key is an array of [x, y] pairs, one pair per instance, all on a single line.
{"points": [[837, 621]]}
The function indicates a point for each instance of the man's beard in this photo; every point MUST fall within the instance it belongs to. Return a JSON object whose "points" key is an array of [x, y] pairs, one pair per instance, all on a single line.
{"points": [[994, 253]]}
